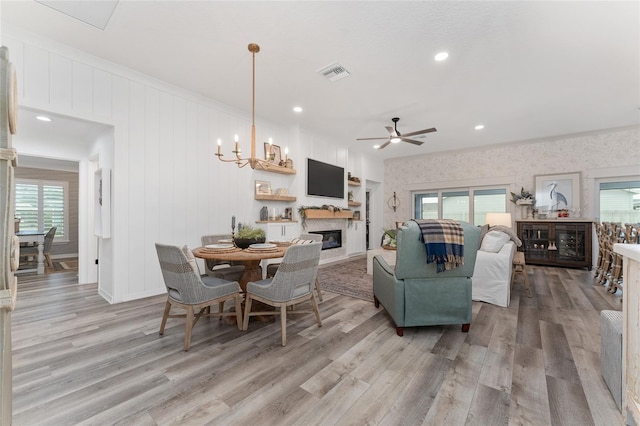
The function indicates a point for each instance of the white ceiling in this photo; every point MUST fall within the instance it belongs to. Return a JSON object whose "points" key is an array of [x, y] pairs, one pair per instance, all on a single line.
{"points": [[525, 70]]}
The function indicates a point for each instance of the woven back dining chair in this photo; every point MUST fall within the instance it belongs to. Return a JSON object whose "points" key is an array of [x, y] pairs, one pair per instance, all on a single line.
{"points": [[48, 242], [302, 239], [292, 285], [225, 269], [186, 289]]}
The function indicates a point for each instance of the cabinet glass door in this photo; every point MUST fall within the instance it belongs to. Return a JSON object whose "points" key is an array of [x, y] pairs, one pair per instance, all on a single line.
{"points": [[571, 243], [535, 239]]}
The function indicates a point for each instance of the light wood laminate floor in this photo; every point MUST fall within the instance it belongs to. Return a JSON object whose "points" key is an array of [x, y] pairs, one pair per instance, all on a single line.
{"points": [[79, 360]]}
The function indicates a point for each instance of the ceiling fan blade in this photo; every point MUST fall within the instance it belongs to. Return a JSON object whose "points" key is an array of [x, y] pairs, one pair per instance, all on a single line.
{"points": [[371, 139], [385, 144], [391, 131], [420, 132], [413, 141]]}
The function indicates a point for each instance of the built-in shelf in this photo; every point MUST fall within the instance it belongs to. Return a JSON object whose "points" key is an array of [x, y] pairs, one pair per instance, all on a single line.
{"points": [[274, 168], [353, 183], [273, 197], [354, 204], [326, 214]]}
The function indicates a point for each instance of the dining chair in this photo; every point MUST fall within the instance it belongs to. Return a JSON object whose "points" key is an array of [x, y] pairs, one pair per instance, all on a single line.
{"points": [[188, 290], [291, 285], [302, 239], [48, 242], [225, 269]]}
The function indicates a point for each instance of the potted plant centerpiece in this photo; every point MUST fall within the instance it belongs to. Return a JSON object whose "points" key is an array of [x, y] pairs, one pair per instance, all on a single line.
{"points": [[248, 235], [525, 200]]}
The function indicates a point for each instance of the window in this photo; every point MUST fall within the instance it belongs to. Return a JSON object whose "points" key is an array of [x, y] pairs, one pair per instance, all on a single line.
{"points": [[620, 201], [460, 204], [41, 205]]}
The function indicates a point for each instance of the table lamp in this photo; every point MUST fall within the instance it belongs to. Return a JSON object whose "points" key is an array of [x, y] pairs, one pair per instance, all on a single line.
{"points": [[495, 219]]}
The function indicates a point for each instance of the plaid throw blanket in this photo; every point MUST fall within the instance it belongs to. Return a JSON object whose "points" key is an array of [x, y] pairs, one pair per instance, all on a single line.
{"points": [[444, 242]]}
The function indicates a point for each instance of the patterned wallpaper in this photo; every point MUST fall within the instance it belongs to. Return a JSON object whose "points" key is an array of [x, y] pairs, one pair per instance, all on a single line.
{"points": [[515, 164]]}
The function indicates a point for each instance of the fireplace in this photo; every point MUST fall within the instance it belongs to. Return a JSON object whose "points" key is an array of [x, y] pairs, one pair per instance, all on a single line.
{"points": [[330, 239]]}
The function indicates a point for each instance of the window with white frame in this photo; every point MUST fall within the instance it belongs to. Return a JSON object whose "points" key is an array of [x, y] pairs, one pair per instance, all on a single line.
{"points": [[41, 205], [619, 200], [463, 204]]}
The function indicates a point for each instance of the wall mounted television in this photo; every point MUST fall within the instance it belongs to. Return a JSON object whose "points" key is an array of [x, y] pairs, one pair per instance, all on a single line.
{"points": [[324, 180]]}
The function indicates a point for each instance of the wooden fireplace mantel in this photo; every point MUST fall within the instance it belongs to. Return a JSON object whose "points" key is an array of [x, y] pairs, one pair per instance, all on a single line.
{"points": [[327, 214]]}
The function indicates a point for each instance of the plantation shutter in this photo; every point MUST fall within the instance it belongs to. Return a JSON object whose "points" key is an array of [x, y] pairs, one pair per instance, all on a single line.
{"points": [[41, 206]]}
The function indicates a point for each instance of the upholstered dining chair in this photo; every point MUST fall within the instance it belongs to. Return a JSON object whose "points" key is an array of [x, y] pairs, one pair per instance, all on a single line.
{"points": [[227, 270], [302, 239], [292, 285], [188, 290], [48, 242]]}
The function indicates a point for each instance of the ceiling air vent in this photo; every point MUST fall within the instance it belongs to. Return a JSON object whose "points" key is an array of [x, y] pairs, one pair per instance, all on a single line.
{"points": [[334, 72]]}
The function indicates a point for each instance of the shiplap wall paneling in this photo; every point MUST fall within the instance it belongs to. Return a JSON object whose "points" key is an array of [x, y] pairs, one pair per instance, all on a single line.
{"points": [[101, 102], [121, 248], [61, 86], [152, 190], [179, 206], [36, 71], [136, 190], [82, 88], [166, 182]]}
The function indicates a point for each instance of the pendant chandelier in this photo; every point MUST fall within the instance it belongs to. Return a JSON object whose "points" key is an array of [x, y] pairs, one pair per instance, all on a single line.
{"points": [[253, 161]]}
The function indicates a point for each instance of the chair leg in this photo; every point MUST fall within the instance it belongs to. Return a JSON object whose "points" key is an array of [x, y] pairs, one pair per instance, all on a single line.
{"points": [[188, 326], [465, 328], [400, 331], [314, 305], [318, 290], [238, 311], [220, 310], [247, 309], [283, 324], [376, 302], [47, 258], [167, 308]]}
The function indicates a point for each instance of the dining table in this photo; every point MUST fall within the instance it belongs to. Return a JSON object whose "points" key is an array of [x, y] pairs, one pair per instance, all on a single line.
{"points": [[248, 257], [35, 238]]}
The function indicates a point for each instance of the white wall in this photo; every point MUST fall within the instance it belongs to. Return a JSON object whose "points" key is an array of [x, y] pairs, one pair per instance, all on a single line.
{"points": [[167, 184], [609, 153]]}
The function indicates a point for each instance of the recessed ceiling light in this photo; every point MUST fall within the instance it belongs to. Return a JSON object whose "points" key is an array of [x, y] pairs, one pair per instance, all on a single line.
{"points": [[297, 109], [441, 56], [42, 118], [479, 127]]}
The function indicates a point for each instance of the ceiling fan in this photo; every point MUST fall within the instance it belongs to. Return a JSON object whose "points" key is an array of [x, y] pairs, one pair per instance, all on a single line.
{"points": [[395, 136]]}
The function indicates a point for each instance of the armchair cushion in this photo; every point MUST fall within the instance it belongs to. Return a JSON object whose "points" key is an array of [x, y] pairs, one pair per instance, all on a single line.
{"points": [[493, 241]]}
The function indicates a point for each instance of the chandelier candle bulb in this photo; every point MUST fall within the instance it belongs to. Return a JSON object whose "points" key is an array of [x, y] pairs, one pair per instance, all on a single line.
{"points": [[286, 153], [219, 145]]}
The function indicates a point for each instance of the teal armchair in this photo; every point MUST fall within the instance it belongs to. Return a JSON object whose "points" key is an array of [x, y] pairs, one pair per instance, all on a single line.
{"points": [[414, 294]]}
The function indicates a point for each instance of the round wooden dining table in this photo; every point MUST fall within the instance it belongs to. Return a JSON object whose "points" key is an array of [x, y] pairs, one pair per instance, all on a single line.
{"points": [[249, 258]]}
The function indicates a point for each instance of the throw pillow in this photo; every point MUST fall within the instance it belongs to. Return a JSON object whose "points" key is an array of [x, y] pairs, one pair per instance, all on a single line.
{"points": [[300, 241], [494, 241], [483, 231], [192, 259], [512, 234]]}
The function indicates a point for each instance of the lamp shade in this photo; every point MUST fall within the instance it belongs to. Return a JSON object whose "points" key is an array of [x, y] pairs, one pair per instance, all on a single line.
{"points": [[494, 219]]}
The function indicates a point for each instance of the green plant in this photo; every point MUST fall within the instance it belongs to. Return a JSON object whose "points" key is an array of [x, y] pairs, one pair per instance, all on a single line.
{"points": [[524, 195], [389, 238], [250, 233]]}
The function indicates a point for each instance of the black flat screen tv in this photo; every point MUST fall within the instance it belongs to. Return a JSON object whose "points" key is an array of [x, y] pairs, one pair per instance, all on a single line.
{"points": [[324, 180]]}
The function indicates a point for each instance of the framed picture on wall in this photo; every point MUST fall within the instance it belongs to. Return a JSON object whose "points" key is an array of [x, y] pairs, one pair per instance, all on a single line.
{"points": [[263, 187], [558, 192]]}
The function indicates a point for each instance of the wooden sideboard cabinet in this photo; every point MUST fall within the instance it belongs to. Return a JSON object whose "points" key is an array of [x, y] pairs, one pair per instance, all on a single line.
{"points": [[557, 242]]}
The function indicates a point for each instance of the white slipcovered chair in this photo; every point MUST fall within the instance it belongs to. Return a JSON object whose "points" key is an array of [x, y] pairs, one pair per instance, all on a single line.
{"points": [[494, 265]]}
